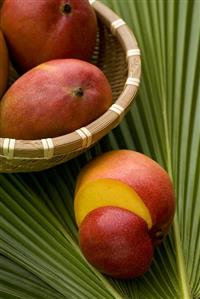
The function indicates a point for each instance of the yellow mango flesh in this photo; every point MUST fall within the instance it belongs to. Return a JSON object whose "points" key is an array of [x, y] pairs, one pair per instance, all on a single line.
{"points": [[109, 192]]}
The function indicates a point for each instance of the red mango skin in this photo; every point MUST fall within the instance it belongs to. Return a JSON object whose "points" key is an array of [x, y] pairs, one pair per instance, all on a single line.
{"points": [[42, 103], [38, 31], [116, 242], [145, 176], [4, 64]]}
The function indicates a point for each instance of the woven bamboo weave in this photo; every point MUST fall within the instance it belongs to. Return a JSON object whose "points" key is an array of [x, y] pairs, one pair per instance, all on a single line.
{"points": [[118, 56]]}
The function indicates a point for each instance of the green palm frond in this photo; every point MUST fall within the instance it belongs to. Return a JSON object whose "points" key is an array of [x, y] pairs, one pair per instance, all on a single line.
{"points": [[39, 252]]}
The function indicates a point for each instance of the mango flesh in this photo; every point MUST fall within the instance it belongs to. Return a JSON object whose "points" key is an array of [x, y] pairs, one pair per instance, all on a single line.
{"points": [[109, 192], [4, 65], [45, 30], [116, 242], [148, 179], [53, 99]]}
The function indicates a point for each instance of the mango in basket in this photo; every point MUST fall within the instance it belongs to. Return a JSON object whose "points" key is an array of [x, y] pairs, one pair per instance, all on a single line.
{"points": [[53, 99], [124, 206], [4, 64], [38, 31]]}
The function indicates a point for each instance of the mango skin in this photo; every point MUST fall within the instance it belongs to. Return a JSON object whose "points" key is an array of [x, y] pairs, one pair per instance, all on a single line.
{"points": [[44, 103], [4, 64], [116, 242], [145, 176], [41, 31]]}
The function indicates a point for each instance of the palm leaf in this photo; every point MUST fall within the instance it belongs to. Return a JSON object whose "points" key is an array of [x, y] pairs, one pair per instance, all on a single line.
{"points": [[39, 252]]}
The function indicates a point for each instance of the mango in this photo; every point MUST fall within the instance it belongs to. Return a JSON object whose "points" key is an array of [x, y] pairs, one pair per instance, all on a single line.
{"points": [[53, 99], [39, 31], [124, 205]]}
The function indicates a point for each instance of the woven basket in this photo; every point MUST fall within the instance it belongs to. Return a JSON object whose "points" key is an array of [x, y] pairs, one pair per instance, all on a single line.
{"points": [[118, 56]]}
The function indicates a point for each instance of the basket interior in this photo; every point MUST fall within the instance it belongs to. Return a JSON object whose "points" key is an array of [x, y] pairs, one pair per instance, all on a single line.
{"points": [[110, 58]]}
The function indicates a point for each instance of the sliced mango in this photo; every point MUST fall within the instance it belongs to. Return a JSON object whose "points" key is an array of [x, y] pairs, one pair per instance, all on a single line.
{"points": [[109, 192]]}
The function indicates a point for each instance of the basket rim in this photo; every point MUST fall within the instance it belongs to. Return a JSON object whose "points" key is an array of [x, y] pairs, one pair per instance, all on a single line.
{"points": [[86, 136]]}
